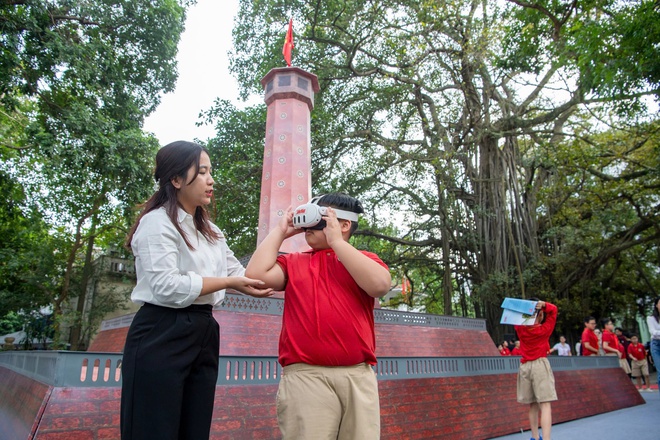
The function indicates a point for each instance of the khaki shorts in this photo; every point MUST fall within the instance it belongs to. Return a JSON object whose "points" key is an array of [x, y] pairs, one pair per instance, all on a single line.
{"points": [[640, 368], [536, 383], [624, 364], [328, 403]]}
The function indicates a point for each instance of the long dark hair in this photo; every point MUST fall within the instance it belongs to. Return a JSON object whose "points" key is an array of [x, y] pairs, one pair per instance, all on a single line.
{"points": [[656, 312], [174, 160]]}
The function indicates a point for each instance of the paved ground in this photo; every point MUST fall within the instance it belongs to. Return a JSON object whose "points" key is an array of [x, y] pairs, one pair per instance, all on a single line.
{"points": [[637, 423]]}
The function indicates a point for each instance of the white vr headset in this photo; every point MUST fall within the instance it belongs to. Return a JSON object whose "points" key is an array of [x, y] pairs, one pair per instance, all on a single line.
{"points": [[310, 215]]}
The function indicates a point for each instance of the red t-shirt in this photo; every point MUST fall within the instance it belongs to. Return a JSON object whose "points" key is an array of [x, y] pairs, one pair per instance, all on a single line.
{"points": [[590, 337], [612, 341], [534, 338], [505, 352], [328, 319], [637, 351]]}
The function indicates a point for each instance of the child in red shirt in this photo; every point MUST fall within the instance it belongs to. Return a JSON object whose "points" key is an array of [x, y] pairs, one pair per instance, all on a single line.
{"points": [[503, 350], [611, 345], [589, 338], [640, 366], [536, 383]]}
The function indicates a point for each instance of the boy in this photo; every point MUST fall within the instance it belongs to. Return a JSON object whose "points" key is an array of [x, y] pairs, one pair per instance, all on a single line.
{"points": [[611, 345], [640, 366], [589, 337], [327, 343], [536, 383]]}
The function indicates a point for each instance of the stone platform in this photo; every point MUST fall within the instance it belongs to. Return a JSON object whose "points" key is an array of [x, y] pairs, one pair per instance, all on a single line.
{"points": [[439, 377]]}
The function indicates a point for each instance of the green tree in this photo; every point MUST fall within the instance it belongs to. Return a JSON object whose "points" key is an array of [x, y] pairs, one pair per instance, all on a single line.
{"points": [[77, 80], [30, 262], [237, 155], [436, 112]]}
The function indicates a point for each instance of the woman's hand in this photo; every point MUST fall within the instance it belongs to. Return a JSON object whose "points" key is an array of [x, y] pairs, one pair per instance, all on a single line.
{"points": [[249, 286]]}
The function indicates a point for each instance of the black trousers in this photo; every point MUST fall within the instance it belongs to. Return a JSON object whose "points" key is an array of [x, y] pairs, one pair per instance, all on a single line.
{"points": [[169, 374]]}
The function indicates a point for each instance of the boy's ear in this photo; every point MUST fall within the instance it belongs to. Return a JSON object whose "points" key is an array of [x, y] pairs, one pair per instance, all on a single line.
{"points": [[345, 225]]}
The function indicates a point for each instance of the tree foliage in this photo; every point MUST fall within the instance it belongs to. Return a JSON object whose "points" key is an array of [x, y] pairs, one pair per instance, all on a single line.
{"points": [[237, 154], [76, 82], [456, 119]]}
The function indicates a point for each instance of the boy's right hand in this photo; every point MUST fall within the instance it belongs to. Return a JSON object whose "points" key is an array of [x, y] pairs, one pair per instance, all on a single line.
{"points": [[286, 224]]}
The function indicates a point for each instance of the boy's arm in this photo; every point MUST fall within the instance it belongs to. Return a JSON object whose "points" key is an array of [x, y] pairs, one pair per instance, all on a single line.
{"points": [[263, 263], [368, 274], [607, 348], [550, 311], [588, 346]]}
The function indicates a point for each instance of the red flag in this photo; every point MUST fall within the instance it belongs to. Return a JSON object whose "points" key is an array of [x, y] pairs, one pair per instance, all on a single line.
{"points": [[288, 44], [406, 288]]}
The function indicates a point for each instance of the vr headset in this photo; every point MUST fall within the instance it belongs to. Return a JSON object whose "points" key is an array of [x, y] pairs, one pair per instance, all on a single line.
{"points": [[310, 215]]}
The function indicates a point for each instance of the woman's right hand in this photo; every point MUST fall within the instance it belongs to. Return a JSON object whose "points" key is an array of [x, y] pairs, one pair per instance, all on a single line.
{"points": [[249, 286]]}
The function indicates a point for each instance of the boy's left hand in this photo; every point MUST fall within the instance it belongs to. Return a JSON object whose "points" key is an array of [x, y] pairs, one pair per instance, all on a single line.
{"points": [[332, 229]]}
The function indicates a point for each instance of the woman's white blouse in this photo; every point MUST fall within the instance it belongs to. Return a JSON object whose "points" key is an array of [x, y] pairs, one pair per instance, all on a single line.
{"points": [[654, 327], [170, 274]]}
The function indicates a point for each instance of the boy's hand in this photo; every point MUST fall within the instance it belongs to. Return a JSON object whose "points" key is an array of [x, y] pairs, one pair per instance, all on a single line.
{"points": [[332, 229], [286, 224], [540, 305]]}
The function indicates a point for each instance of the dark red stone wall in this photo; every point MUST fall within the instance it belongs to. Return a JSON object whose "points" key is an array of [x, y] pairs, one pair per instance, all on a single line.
{"points": [[256, 334], [455, 408], [109, 341], [481, 407], [408, 340], [22, 401], [81, 414]]}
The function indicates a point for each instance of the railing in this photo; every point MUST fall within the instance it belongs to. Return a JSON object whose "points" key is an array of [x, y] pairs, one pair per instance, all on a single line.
{"points": [[88, 369], [275, 306]]}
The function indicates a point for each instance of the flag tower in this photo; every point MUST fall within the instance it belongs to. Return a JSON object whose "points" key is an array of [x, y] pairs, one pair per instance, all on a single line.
{"points": [[286, 178]]}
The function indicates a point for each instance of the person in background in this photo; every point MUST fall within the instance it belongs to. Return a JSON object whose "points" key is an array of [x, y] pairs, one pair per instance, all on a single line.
{"points": [[561, 347], [599, 335], [611, 346], [536, 383], [653, 322], [503, 350], [516, 348], [183, 266], [623, 337], [578, 348], [639, 365], [589, 338]]}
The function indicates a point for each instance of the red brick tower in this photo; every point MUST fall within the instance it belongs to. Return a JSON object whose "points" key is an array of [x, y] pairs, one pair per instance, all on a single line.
{"points": [[286, 178]]}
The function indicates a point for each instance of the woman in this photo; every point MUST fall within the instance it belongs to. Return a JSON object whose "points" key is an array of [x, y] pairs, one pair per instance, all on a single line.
{"points": [[183, 266], [653, 322]]}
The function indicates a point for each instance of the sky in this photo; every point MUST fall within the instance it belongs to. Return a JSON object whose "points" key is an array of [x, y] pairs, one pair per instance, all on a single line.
{"points": [[203, 66]]}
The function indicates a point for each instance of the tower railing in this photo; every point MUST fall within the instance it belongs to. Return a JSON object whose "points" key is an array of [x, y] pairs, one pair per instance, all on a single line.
{"points": [[93, 369], [275, 306]]}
